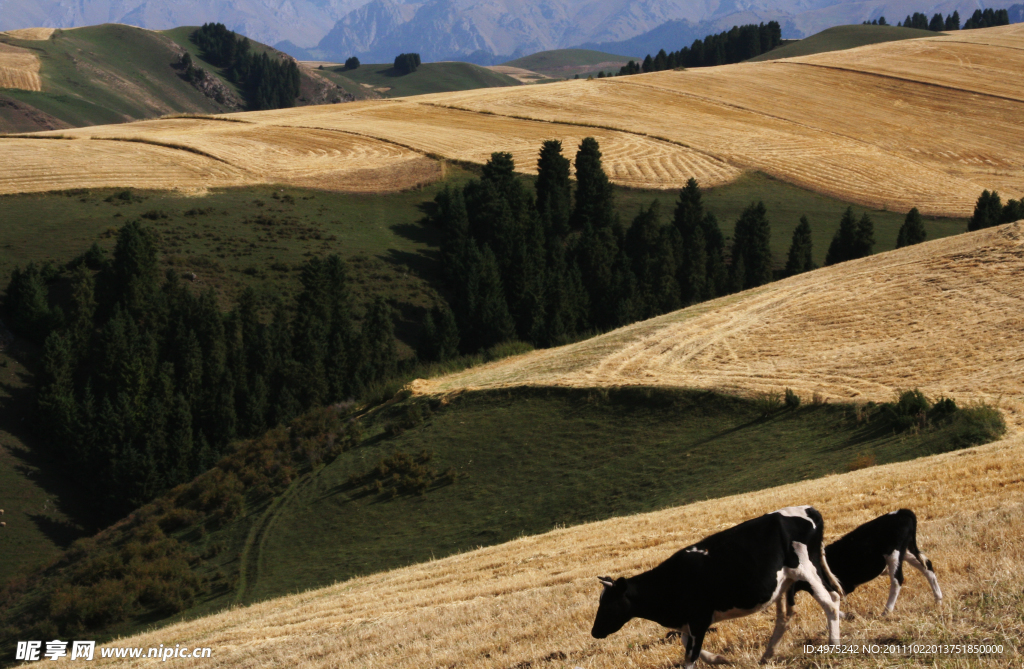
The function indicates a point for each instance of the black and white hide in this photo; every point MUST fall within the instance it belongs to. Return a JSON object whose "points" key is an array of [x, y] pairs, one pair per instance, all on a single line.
{"points": [[731, 574], [878, 546]]}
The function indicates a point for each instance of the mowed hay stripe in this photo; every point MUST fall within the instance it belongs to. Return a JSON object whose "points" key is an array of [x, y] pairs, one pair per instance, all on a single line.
{"points": [[944, 316], [54, 164], [533, 599], [253, 154], [19, 68], [861, 110]]}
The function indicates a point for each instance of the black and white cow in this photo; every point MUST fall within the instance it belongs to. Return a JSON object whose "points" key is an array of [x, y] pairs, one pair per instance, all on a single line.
{"points": [[877, 546], [734, 573]]}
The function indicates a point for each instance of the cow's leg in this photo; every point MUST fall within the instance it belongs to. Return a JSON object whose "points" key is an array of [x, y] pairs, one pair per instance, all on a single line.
{"points": [[693, 643], [781, 619], [921, 562], [807, 571], [894, 564]]}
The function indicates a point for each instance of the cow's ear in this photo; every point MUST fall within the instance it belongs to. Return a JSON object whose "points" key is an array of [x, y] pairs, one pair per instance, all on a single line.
{"points": [[605, 581]]}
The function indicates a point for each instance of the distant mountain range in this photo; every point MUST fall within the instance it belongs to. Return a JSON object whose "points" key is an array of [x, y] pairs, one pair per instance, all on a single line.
{"points": [[479, 31]]}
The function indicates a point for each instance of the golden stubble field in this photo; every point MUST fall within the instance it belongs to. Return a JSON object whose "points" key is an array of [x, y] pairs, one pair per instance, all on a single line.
{"points": [[926, 123], [529, 604], [19, 68]]}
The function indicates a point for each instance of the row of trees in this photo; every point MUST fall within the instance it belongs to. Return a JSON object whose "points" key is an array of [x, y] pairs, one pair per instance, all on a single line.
{"points": [[732, 46], [980, 19], [144, 382], [990, 211], [407, 63], [548, 266], [268, 83]]}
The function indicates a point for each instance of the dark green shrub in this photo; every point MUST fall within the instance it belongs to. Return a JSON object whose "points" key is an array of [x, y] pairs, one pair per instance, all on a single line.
{"points": [[768, 403], [909, 410], [792, 399], [977, 424]]}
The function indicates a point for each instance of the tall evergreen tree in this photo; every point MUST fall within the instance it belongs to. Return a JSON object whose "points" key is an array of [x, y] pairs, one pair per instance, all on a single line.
{"points": [[554, 192], [594, 205], [865, 237], [912, 231], [844, 242], [752, 242], [988, 211], [800, 250], [134, 274]]}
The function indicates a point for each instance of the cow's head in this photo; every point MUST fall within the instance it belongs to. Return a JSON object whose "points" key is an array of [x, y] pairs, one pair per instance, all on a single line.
{"points": [[614, 609]]}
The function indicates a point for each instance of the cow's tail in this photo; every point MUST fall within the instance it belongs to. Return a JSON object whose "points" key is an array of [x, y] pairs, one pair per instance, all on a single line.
{"points": [[828, 572]]}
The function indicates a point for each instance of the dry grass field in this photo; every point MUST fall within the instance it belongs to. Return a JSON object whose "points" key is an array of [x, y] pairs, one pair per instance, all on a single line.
{"points": [[927, 123], [19, 68], [530, 603], [944, 316], [31, 34]]}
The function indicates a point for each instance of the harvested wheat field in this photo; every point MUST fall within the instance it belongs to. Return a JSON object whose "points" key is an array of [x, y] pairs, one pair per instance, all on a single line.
{"points": [[531, 602], [30, 34], [944, 316], [19, 68], [925, 123]]}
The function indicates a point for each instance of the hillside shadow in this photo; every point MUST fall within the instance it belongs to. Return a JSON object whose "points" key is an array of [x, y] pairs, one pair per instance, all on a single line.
{"points": [[33, 458], [419, 233], [425, 264]]}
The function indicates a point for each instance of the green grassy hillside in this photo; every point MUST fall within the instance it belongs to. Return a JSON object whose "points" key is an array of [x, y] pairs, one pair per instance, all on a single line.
{"points": [[316, 504], [567, 63], [115, 73], [384, 81], [843, 37], [107, 74]]}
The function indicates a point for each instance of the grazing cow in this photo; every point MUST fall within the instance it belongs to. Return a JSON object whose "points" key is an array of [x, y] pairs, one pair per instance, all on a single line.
{"points": [[875, 547], [734, 573]]}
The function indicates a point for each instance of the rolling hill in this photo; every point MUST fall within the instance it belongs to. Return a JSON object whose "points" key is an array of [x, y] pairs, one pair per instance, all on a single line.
{"points": [[885, 126], [481, 608], [840, 38], [382, 80], [114, 73], [567, 63]]}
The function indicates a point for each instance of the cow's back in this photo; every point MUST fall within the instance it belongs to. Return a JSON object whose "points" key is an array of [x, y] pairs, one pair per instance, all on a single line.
{"points": [[742, 567]]}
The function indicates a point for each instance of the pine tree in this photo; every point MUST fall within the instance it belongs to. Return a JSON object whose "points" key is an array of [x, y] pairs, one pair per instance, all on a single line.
{"points": [[988, 211], [134, 274], [865, 237], [440, 334], [752, 242], [800, 250], [844, 242], [912, 231], [554, 192], [594, 205], [937, 24], [491, 314], [1013, 211], [28, 305], [380, 356]]}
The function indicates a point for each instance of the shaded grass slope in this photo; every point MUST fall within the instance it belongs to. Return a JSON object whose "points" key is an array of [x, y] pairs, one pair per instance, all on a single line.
{"points": [[840, 38], [565, 63], [383, 80]]}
